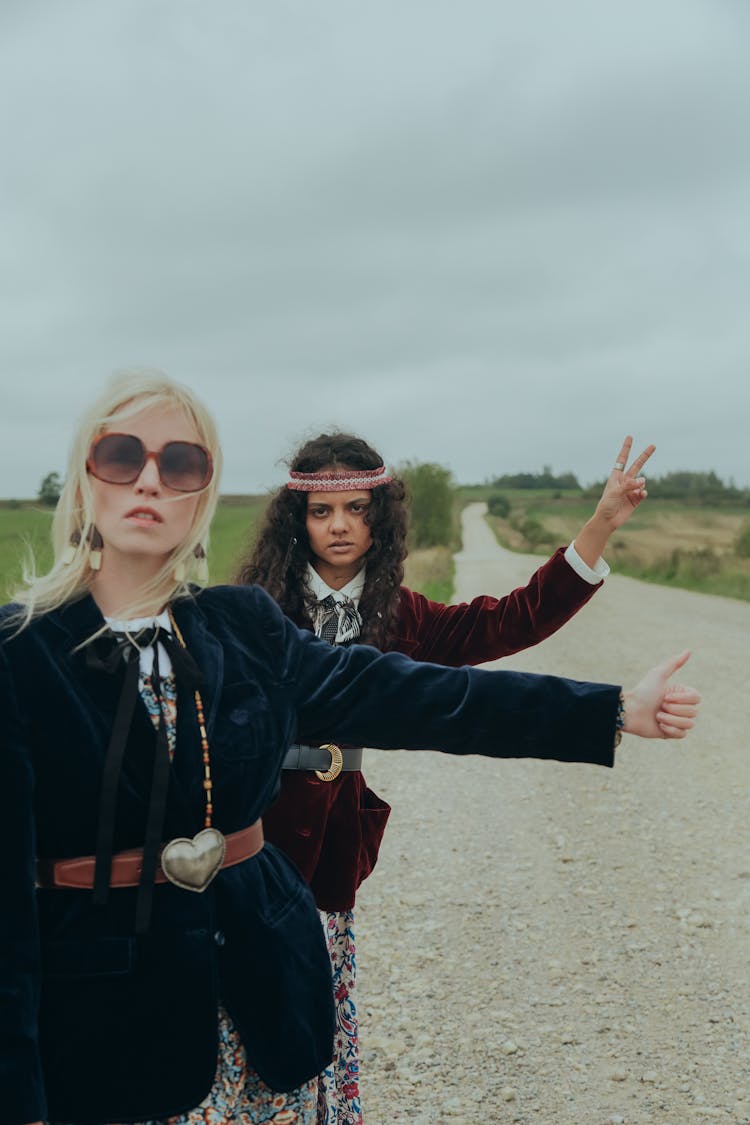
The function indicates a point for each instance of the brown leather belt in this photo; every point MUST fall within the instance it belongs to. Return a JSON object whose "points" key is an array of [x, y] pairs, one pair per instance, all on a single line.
{"points": [[78, 873]]}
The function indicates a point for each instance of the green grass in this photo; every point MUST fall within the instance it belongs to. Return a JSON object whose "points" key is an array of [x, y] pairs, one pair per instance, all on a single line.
{"points": [[231, 532], [430, 571], [29, 526], [666, 541], [20, 529]]}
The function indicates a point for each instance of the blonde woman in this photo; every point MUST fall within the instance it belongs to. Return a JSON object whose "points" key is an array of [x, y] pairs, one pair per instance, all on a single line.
{"points": [[159, 963]]}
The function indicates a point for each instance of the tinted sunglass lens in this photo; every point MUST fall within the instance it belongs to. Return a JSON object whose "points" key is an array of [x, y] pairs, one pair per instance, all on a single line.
{"points": [[118, 458], [184, 466]]}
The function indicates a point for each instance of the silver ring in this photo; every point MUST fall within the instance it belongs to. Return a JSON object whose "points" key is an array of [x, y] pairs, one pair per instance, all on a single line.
{"points": [[619, 465]]}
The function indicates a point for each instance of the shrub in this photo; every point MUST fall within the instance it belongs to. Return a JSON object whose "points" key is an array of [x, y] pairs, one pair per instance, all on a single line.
{"points": [[692, 565], [535, 533], [742, 542], [429, 490], [498, 505]]}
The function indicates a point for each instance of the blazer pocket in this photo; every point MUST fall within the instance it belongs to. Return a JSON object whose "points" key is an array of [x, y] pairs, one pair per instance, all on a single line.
{"points": [[78, 957], [246, 729], [373, 817]]}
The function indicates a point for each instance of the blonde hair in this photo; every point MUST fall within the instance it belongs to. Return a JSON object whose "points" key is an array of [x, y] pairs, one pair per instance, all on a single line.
{"points": [[126, 394]]}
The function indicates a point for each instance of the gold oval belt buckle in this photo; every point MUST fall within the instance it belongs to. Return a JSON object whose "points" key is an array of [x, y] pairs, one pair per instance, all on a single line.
{"points": [[337, 762]]}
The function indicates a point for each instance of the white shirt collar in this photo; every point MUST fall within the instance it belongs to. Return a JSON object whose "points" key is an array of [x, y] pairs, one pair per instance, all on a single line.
{"points": [[320, 589], [137, 623], [146, 654]]}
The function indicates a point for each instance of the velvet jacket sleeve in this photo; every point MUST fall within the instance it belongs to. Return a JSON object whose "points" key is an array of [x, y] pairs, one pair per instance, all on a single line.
{"points": [[487, 628], [358, 695], [21, 1082]]}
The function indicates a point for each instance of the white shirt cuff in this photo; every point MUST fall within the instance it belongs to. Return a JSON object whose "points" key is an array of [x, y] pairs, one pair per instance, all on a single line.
{"points": [[583, 570]]}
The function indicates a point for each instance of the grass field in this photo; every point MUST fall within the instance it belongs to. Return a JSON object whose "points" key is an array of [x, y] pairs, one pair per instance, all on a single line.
{"points": [[28, 526], [23, 529], [665, 541], [430, 570]]}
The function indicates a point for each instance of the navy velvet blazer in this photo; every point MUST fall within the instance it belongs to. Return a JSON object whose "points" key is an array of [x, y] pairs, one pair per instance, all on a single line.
{"points": [[97, 1024], [333, 829]]}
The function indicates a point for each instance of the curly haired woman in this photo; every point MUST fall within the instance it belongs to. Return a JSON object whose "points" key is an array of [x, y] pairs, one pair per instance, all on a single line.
{"points": [[331, 552]]}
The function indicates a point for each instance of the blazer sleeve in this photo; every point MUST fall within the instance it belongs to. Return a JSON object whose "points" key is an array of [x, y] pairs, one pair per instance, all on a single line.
{"points": [[21, 1084], [488, 628], [360, 696]]}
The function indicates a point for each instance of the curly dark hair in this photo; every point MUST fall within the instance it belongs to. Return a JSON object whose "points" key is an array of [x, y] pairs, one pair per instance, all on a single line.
{"points": [[279, 557]]}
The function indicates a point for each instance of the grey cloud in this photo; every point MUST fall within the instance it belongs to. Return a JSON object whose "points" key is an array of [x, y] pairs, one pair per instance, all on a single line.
{"points": [[461, 229]]}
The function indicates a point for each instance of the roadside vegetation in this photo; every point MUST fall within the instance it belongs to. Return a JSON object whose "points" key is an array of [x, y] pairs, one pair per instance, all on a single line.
{"points": [[434, 529], [25, 533], [693, 531]]}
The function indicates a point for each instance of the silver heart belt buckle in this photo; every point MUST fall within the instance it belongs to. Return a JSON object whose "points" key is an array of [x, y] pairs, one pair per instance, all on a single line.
{"points": [[193, 864]]}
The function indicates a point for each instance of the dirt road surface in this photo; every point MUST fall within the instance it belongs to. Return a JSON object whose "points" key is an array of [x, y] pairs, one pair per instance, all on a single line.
{"points": [[546, 943]]}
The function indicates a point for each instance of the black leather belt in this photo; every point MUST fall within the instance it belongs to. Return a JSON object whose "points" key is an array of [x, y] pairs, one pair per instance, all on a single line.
{"points": [[328, 760]]}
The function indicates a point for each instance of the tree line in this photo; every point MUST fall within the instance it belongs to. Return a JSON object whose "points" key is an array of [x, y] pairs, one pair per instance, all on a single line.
{"points": [[703, 487]]}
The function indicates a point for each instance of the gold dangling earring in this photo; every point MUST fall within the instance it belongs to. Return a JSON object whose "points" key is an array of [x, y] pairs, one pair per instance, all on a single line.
{"points": [[96, 543], [201, 563], [70, 551]]}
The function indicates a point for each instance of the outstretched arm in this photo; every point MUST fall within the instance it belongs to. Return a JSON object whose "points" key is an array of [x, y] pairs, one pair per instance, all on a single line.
{"points": [[622, 494], [360, 696]]}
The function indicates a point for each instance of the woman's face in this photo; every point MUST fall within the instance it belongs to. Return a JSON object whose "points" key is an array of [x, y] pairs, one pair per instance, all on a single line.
{"points": [[338, 532], [146, 519]]}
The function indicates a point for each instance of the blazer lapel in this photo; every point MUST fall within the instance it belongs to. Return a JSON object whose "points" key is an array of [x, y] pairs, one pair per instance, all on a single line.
{"points": [[80, 621]]}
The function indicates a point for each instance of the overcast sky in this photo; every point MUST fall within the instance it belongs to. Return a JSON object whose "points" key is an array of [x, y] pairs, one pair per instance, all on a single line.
{"points": [[493, 235]]}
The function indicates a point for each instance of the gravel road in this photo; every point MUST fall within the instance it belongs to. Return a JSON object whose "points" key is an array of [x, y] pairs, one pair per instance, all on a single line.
{"points": [[545, 943]]}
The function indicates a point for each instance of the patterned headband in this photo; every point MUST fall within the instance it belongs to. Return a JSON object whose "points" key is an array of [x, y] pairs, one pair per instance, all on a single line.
{"points": [[346, 481]]}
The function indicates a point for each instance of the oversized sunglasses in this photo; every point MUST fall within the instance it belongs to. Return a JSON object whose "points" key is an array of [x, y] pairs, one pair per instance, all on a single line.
{"points": [[183, 466]]}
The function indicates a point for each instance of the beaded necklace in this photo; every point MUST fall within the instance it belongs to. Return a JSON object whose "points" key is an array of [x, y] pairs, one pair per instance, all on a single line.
{"points": [[205, 751]]}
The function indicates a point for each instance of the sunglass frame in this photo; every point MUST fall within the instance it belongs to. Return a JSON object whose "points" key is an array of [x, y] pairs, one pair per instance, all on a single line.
{"points": [[146, 456]]}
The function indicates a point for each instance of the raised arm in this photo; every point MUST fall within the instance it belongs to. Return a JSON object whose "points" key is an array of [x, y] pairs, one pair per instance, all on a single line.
{"points": [[623, 492], [488, 627]]}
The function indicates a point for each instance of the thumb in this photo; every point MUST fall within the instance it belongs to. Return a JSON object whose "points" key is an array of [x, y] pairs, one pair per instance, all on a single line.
{"points": [[674, 663]]}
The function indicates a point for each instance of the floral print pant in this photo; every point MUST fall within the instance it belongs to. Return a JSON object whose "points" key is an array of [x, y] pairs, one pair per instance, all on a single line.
{"points": [[338, 1085]]}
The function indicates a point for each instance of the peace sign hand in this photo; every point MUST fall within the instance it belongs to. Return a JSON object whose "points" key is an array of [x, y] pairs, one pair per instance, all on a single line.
{"points": [[625, 489]]}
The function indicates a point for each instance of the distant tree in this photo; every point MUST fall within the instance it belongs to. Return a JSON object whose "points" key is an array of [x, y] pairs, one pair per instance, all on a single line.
{"points": [[429, 490], [545, 479], [684, 485], [50, 489], [703, 489]]}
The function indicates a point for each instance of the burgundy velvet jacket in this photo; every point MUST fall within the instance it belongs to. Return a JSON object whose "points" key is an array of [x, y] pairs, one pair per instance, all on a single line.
{"points": [[332, 830]]}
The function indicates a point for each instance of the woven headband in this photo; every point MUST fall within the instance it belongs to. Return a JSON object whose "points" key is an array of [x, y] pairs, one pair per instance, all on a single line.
{"points": [[346, 481]]}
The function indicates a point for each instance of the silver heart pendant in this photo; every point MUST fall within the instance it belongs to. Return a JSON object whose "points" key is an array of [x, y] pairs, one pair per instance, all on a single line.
{"points": [[192, 864]]}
